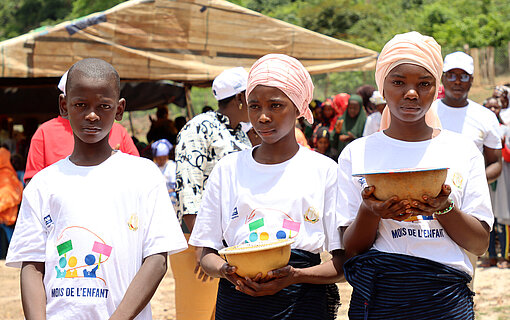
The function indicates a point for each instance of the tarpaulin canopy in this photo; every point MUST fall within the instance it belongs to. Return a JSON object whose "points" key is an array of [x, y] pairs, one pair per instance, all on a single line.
{"points": [[181, 40]]}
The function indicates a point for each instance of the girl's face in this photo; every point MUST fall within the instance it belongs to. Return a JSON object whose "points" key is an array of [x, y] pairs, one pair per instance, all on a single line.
{"points": [[272, 114], [409, 91], [327, 111], [353, 108], [322, 145]]}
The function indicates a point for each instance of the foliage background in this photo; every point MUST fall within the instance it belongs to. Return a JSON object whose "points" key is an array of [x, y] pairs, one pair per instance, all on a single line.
{"points": [[455, 24]]}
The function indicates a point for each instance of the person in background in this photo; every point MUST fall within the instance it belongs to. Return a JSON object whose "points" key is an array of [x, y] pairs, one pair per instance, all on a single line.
{"points": [[207, 109], [160, 155], [374, 120], [180, 122], [11, 190], [365, 92], [162, 127], [459, 114], [54, 140], [322, 143], [502, 93], [409, 256], [351, 124], [500, 199], [340, 102], [329, 116], [201, 143]]}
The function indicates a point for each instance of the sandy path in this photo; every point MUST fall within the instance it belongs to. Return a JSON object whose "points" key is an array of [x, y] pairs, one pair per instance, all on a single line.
{"points": [[492, 298]]}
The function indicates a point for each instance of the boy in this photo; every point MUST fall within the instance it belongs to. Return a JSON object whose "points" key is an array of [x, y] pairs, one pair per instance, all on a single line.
{"points": [[94, 228]]}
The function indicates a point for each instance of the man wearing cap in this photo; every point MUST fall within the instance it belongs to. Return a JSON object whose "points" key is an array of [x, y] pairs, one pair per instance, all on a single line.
{"points": [[459, 114], [201, 143]]}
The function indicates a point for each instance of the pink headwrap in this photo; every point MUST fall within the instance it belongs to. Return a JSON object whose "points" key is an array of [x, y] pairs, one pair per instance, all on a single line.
{"points": [[287, 74], [413, 48]]}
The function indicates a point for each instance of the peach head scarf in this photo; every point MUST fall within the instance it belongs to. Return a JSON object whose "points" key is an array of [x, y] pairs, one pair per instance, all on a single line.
{"points": [[414, 48], [287, 74]]}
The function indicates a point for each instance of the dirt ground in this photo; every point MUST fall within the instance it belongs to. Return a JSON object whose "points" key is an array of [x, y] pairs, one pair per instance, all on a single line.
{"points": [[492, 300]]}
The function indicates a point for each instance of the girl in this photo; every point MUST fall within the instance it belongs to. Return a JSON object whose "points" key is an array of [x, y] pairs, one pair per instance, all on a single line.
{"points": [[352, 123], [265, 185], [409, 256]]}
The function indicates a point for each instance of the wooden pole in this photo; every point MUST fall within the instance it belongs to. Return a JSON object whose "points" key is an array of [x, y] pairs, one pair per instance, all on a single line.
{"points": [[189, 104], [490, 66]]}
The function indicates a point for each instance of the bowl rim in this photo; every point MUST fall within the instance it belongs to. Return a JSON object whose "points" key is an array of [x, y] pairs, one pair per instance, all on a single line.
{"points": [[257, 246], [403, 170]]}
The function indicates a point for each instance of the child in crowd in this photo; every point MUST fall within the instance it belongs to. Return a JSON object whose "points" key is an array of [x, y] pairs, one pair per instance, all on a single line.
{"points": [[499, 197], [322, 143], [374, 120], [94, 228], [265, 184], [409, 256], [160, 155]]}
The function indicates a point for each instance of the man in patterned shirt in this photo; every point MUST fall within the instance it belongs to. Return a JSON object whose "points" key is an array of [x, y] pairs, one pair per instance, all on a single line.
{"points": [[202, 142]]}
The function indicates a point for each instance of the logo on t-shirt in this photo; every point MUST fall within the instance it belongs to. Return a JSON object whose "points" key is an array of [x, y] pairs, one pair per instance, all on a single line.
{"points": [[457, 180], [85, 254], [235, 214], [48, 221], [133, 222], [312, 215]]}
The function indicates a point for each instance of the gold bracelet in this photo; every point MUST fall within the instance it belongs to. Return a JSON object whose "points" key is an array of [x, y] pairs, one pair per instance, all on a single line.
{"points": [[445, 211]]}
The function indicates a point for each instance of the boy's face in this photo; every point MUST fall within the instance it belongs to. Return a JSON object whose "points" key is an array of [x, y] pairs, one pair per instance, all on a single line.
{"points": [[91, 105], [160, 160]]}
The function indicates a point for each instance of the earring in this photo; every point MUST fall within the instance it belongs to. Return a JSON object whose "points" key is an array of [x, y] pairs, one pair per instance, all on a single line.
{"points": [[240, 106]]}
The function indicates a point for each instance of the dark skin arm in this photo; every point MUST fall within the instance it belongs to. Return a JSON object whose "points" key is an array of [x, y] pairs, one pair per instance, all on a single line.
{"points": [[33, 294], [142, 288], [359, 236], [493, 163], [467, 231], [276, 280]]}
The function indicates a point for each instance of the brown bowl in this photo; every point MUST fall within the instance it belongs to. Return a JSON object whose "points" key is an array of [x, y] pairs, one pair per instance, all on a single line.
{"points": [[258, 257], [406, 183]]}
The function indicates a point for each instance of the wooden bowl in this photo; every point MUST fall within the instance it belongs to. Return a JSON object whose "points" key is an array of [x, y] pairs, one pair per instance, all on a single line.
{"points": [[258, 257], [409, 184]]}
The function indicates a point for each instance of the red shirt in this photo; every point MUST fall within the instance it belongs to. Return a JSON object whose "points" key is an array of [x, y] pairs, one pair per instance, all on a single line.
{"points": [[54, 140]]}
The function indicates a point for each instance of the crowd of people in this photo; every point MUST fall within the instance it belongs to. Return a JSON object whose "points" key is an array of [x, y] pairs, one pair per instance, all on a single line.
{"points": [[95, 224]]}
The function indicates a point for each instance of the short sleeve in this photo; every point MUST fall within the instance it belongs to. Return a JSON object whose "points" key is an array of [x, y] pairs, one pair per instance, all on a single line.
{"points": [[35, 159], [349, 194], [330, 221], [28, 242], [476, 199], [191, 155], [493, 138], [208, 231], [162, 230]]}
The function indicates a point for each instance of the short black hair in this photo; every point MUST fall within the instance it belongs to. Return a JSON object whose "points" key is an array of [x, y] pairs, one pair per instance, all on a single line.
{"points": [[96, 69]]}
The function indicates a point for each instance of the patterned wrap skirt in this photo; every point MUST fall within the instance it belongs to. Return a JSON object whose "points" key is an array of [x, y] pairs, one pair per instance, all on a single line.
{"points": [[396, 286], [297, 301]]}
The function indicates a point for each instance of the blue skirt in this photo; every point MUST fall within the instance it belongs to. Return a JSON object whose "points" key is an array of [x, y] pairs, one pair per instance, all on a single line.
{"points": [[297, 301], [396, 286]]}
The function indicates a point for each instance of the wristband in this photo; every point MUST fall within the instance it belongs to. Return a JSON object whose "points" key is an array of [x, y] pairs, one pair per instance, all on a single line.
{"points": [[445, 211]]}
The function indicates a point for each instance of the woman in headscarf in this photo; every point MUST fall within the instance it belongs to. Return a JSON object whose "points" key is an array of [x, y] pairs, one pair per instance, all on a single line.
{"points": [[352, 123], [409, 257], [264, 185], [502, 93]]}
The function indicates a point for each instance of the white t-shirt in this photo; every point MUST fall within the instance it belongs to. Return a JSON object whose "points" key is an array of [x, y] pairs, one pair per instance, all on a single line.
{"points": [[419, 236], [92, 227], [474, 121], [246, 201], [373, 123], [169, 172]]}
